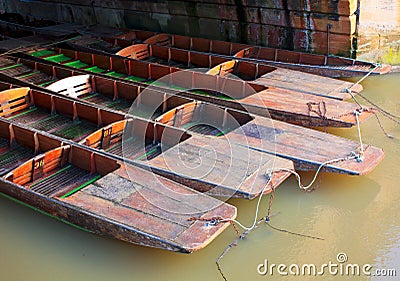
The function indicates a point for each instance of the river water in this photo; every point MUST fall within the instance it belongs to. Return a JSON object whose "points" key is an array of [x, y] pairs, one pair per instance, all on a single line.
{"points": [[356, 216]]}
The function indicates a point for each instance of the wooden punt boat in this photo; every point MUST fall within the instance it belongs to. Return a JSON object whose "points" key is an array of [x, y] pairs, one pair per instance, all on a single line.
{"points": [[145, 140], [325, 65], [188, 59], [280, 104], [305, 147], [256, 72], [92, 191]]}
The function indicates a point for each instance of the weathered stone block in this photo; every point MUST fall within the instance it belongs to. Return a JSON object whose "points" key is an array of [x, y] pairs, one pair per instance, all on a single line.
{"points": [[273, 17], [252, 15], [210, 28], [253, 33], [207, 10], [227, 13], [270, 36], [319, 22]]}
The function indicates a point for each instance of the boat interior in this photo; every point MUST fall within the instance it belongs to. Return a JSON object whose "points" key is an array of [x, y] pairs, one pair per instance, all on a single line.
{"points": [[62, 171], [53, 114], [204, 118], [188, 60], [17, 145], [146, 73]]}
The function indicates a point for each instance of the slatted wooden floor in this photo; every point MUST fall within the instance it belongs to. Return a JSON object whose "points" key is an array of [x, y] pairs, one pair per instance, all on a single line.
{"points": [[63, 181], [11, 157], [56, 124], [120, 104], [135, 149]]}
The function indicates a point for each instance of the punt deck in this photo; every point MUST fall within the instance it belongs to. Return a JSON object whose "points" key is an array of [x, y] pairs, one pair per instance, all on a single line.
{"points": [[94, 192]]}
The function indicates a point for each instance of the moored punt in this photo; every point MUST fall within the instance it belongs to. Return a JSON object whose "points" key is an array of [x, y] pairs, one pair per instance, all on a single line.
{"points": [[106, 196], [285, 105], [255, 72], [325, 65], [138, 141], [307, 148], [258, 133]]}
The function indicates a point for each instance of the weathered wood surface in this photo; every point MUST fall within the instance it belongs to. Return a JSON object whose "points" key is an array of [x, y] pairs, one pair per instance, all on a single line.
{"points": [[234, 170], [127, 203], [308, 84], [154, 207], [13, 44], [231, 171], [289, 99], [309, 110], [307, 148]]}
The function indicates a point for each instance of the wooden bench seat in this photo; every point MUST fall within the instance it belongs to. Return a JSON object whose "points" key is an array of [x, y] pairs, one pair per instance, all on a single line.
{"points": [[51, 174]]}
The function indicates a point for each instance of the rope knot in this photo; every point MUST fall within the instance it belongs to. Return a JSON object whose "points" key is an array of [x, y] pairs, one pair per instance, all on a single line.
{"points": [[358, 156]]}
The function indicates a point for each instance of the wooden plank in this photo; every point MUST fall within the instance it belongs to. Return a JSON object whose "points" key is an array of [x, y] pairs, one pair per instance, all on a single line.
{"points": [[307, 148], [72, 86], [306, 83], [159, 39], [125, 215], [224, 170], [199, 234], [139, 51], [336, 113], [12, 94]]}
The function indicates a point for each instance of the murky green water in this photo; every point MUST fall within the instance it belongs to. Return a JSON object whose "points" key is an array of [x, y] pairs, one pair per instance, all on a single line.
{"points": [[355, 215]]}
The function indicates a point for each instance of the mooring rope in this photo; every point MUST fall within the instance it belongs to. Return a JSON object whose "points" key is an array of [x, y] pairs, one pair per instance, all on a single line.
{"points": [[375, 108], [365, 76], [360, 156], [354, 155]]}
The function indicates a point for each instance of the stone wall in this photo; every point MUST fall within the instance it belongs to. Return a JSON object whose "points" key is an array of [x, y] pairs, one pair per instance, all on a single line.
{"points": [[379, 31], [290, 24]]}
